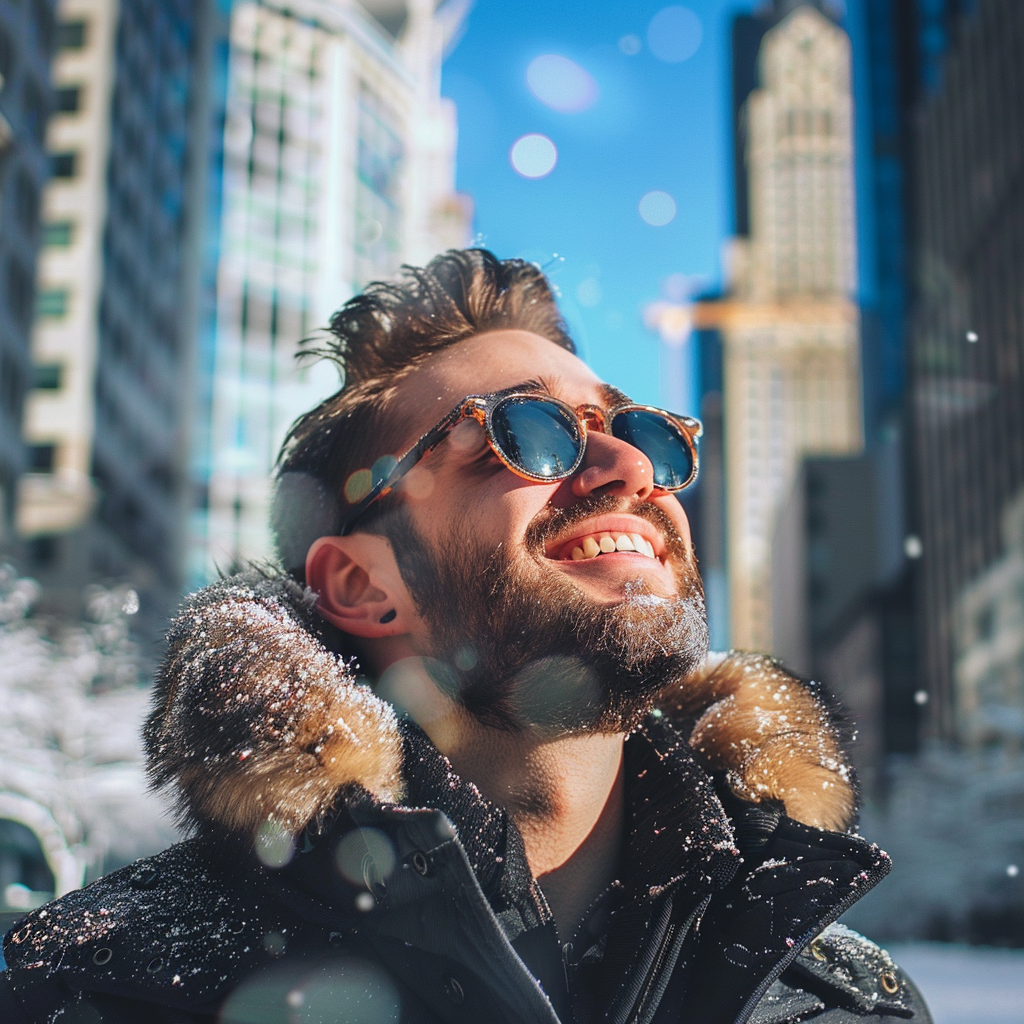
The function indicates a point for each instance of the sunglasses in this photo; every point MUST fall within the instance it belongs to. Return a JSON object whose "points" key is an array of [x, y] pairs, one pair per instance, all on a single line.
{"points": [[543, 439]]}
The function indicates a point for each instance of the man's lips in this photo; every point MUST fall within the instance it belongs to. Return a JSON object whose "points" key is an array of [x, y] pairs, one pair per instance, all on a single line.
{"points": [[609, 534]]}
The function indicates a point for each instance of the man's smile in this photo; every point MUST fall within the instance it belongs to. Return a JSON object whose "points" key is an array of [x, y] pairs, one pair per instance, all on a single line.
{"points": [[608, 535]]}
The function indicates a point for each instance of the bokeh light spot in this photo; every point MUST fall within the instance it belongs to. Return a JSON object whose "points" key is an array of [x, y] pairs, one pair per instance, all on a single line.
{"points": [[674, 34], [409, 685], [561, 84], [630, 45], [365, 856], [358, 485], [382, 468], [465, 658], [419, 483], [274, 844], [657, 208], [588, 293], [533, 156], [348, 990]]}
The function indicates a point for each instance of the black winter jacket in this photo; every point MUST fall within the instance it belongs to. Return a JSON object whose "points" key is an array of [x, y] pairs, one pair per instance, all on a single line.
{"points": [[340, 871]]}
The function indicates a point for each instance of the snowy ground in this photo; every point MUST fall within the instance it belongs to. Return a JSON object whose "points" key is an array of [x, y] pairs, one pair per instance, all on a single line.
{"points": [[966, 984]]}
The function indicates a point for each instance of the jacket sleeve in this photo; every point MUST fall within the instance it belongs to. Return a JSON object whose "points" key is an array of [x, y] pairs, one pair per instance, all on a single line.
{"points": [[11, 1010], [842, 992], [39, 1004]]}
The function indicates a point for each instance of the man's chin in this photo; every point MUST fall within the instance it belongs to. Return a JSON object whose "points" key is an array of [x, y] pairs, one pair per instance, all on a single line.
{"points": [[526, 647], [609, 579]]}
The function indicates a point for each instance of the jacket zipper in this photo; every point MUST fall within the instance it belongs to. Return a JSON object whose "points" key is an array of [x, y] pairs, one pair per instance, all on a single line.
{"points": [[823, 922], [670, 947], [566, 955]]}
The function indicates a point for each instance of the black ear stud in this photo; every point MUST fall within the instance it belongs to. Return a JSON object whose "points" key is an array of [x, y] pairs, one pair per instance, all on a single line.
{"points": [[388, 616]]}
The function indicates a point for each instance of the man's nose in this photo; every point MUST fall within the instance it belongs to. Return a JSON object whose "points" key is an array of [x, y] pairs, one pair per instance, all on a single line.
{"points": [[611, 466]]}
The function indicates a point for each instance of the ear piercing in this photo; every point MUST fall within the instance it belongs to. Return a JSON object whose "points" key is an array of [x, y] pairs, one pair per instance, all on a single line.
{"points": [[388, 616]]}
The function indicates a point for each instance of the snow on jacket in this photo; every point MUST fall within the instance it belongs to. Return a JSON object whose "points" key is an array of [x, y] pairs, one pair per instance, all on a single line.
{"points": [[339, 869]]}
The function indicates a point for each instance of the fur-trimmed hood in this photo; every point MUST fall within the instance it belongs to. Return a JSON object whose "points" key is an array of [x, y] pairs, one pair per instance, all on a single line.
{"points": [[255, 719]]}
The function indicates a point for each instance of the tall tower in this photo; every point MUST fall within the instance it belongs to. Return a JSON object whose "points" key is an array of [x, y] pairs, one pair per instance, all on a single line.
{"points": [[26, 39], [967, 380], [789, 326], [117, 284], [338, 167]]}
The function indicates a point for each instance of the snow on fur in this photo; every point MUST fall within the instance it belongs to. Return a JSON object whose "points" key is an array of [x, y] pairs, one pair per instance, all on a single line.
{"points": [[255, 720], [772, 735]]}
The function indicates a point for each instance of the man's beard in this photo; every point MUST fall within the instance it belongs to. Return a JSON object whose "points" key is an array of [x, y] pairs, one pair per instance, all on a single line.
{"points": [[519, 645]]}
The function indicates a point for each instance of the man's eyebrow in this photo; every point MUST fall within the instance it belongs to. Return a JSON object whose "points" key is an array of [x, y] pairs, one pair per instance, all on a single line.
{"points": [[613, 396], [534, 385]]}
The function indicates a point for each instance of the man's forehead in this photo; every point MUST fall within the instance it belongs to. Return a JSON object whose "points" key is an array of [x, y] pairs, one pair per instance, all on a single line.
{"points": [[499, 360]]}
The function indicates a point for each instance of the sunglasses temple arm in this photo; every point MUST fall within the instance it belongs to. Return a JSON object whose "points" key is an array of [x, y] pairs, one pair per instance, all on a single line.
{"points": [[426, 444]]}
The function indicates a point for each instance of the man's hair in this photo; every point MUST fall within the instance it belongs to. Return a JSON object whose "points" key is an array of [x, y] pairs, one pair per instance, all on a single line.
{"points": [[376, 339]]}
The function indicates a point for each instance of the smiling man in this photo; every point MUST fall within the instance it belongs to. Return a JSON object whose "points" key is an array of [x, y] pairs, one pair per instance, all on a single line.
{"points": [[464, 756]]}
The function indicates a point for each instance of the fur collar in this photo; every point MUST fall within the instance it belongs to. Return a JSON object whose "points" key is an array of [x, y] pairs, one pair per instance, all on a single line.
{"points": [[255, 719]]}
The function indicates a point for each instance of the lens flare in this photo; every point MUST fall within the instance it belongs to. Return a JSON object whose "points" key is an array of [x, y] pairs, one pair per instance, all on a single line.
{"points": [[533, 156], [674, 34], [561, 84], [657, 208]]}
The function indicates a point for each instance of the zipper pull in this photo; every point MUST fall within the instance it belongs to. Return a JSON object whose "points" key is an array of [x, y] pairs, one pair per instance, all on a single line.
{"points": [[566, 954]]}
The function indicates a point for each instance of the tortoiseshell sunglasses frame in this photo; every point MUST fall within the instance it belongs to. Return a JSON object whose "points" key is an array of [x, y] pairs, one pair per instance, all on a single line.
{"points": [[481, 408]]}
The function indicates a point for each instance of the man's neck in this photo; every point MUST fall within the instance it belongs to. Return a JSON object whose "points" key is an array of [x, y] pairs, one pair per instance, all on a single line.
{"points": [[565, 795]]}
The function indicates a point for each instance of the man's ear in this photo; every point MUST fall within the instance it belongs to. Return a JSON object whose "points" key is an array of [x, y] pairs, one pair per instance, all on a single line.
{"points": [[361, 590]]}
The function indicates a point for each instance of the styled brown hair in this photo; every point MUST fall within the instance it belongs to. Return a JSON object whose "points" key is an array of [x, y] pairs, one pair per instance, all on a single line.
{"points": [[376, 339]]}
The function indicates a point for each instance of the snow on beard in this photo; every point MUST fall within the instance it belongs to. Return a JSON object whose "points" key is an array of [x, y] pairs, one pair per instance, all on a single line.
{"points": [[518, 644]]}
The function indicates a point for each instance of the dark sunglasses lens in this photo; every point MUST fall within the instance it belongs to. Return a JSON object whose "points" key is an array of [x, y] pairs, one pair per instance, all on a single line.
{"points": [[661, 441], [537, 436]]}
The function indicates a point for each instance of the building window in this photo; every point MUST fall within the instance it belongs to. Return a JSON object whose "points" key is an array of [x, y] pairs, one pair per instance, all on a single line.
{"points": [[57, 234], [68, 99], [11, 383], [48, 376], [41, 458], [52, 302], [6, 53], [35, 105], [42, 13], [19, 291], [43, 550], [71, 35], [26, 200], [63, 165]]}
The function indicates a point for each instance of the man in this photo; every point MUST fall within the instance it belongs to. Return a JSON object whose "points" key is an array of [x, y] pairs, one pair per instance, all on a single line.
{"points": [[465, 760]]}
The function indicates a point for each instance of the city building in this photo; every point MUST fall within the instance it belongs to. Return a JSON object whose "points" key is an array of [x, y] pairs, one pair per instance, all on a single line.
{"points": [[26, 42], [789, 323], [73, 795], [338, 166], [106, 422], [988, 669], [967, 338]]}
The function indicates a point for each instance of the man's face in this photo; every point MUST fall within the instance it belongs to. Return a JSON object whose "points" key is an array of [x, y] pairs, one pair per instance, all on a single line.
{"points": [[518, 630]]}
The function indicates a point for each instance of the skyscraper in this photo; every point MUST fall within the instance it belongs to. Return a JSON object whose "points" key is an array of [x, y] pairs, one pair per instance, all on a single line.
{"points": [[789, 325], [26, 41], [117, 287], [967, 346], [338, 167]]}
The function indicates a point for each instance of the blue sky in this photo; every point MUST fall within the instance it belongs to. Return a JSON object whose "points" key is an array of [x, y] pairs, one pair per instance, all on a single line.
{"points": [[655, 126]]}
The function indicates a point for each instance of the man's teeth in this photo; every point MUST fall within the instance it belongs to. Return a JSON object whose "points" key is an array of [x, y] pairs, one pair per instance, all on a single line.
{"points": [[605, 543]]}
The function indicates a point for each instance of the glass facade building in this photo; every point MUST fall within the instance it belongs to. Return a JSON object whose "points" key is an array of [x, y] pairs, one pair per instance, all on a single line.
{"points": [[27, 37], [113, 338], [338, 166], [967, 336]]}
